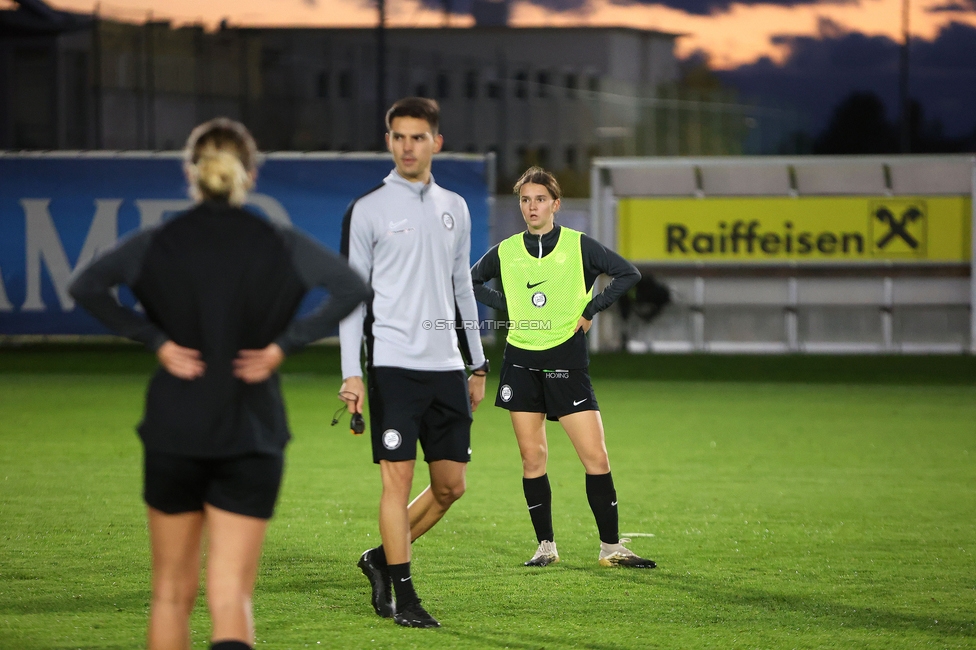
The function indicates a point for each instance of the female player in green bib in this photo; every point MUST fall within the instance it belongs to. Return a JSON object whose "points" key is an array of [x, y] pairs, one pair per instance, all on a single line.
{"points": [[547, 274]]}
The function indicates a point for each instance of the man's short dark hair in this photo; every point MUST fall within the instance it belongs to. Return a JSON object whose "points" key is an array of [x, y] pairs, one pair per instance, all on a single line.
{"points": [[419, 107]]}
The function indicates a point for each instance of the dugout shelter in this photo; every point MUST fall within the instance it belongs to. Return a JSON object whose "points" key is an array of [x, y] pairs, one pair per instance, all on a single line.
{"points": [[853, 254]]}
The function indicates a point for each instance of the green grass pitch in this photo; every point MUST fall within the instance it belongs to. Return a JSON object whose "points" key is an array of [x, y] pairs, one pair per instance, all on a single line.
{"points": [[794, 502]]}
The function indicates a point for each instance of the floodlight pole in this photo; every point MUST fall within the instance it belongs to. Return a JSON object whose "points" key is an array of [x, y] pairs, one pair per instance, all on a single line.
{"points": [[906, 127], [381, 74], [972, 260], [97, 75]]}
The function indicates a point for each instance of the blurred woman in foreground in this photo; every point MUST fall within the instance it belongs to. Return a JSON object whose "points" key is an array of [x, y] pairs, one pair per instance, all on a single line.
{"points": [[220, 288]]}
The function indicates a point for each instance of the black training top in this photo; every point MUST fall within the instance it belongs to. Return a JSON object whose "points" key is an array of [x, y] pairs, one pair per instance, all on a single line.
{"points": [[218, 279], [597, 259]]}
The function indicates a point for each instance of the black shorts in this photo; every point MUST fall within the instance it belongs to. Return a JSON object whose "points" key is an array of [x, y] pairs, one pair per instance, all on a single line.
{"points": [[245, 485], [410, 405], [553, 392]]}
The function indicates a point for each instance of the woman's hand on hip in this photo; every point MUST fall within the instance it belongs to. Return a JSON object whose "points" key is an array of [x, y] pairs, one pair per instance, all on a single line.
{"points": [[255, 366], [181, 362], [584, 324]]}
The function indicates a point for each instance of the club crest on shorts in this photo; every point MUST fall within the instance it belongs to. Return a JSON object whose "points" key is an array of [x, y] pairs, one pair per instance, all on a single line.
{"points": [[539, 299], [392, 439], [505, 392], [448, 220]]}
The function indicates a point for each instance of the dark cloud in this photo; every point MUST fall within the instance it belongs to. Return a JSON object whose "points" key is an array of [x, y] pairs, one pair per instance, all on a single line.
{"points": [[954, 6], [822, 70], [696, 7], [465, 6], [709, 7]]}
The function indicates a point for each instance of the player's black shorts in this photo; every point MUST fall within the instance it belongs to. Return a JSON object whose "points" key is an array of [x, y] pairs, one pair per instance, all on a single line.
{"points": [[410, 405], [553, 392], [245, 485]]}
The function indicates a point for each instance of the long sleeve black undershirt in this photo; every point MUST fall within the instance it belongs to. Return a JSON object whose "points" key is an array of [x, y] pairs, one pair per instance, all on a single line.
{"points": [[218, 279], [315, 265], [597, 260]]}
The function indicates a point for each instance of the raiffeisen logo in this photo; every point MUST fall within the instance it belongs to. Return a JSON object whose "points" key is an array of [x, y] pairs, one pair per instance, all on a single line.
{"points": [[757, 239], [839, 229], [899, 227]]}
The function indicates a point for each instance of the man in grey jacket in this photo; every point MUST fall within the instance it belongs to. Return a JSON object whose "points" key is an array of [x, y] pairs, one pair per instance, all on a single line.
{"points": [[411, 240]]}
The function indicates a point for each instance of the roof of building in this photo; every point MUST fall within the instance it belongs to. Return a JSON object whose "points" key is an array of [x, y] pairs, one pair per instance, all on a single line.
{"points": [[35, 18]]}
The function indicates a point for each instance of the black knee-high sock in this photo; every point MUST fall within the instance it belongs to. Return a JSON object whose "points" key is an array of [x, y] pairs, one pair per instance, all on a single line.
{"points": [[403, 584], [229, 645], [538, 497], [603, 503]]}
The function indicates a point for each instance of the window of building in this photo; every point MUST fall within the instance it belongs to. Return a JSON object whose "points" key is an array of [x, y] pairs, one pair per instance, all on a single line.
{"points": [[345, 84], [543, 156], [594, 84], [494, 90], [542, 84], [522, 85], [420, 90], [572, 83], [471, 148], [322, 85], [572, 157], [471, 85], [443, 85]]}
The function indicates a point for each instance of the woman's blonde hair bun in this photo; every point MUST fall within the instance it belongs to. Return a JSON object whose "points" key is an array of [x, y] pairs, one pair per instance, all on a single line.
{"points": [[220, 174], [221, 156]]}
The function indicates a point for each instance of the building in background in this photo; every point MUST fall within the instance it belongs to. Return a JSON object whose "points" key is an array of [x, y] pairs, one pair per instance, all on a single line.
{"points": [[552, 96]]}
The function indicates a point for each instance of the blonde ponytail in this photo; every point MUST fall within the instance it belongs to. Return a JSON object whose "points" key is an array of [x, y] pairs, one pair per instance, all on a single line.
{"points": [[221, 161], [220, 175]]}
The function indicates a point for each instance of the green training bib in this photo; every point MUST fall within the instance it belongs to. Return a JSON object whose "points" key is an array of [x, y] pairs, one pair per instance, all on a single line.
{"points": [[545, 297]]}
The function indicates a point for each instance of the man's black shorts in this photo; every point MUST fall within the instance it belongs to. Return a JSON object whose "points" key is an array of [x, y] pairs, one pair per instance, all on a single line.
{"points": [[245, 485], [410, 405], [553, 392]]}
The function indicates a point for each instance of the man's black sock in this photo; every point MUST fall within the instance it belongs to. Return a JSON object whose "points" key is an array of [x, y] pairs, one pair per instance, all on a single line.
{"points": [[603, 503], [403, 585], [538, 497], [229, 645]]}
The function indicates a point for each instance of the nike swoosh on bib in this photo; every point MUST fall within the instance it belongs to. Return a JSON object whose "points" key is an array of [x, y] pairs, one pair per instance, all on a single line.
{"points": [[575, 403], [529, 285]]}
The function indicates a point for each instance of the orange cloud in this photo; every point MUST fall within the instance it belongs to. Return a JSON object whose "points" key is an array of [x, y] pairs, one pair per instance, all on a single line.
{"points": [[744, 33], [738, 36]]}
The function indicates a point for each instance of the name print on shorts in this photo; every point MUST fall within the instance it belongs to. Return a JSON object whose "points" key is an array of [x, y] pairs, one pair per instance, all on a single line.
{"points": [[392, 439]]}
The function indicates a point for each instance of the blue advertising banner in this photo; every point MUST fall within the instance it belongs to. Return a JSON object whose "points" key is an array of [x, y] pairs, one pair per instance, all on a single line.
{"points": [[59, 211]]}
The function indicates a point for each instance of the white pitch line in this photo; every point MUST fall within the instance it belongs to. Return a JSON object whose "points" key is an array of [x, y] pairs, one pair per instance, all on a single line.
{"points": [[637, 534]]}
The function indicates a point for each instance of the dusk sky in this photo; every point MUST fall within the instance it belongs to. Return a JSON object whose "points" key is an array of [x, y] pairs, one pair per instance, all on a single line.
{"points": [[817, 50]]}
